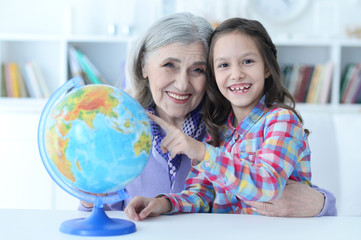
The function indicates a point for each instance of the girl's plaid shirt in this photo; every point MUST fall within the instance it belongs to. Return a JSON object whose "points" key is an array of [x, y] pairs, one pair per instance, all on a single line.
{"points": [[254, 162]]}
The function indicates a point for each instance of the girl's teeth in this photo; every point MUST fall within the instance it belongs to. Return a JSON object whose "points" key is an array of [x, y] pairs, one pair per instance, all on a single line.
{"points": [[240, 89]]}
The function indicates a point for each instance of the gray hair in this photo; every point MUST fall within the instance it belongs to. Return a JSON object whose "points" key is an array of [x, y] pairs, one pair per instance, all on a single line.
{"points": [[182, 28]]}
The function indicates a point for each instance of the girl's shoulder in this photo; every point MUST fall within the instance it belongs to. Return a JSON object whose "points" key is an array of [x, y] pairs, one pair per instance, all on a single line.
{"points": [[279, 113]]}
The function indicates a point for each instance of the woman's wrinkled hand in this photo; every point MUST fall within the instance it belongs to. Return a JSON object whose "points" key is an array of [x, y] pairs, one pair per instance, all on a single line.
{"points": [[297, 200]]}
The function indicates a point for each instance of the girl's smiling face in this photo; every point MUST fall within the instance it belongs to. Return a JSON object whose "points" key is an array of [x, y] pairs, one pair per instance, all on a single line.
{"points": [[176, 75], [240, 71]]}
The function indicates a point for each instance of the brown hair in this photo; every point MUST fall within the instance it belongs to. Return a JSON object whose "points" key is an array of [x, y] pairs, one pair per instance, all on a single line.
{"points": [[217, 107]]}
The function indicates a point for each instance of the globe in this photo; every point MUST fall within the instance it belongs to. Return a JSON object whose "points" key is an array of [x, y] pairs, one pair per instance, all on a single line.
{"points": [[93, 141]]}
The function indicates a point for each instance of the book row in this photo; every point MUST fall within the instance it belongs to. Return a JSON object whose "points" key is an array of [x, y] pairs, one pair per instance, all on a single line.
{"points": [[308, 83], [350, 90], [81, 66], [21, 81]]}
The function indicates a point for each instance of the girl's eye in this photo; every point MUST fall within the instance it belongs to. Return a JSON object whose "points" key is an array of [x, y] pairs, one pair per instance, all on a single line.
{"points": [[248, 61], [223, 65]]}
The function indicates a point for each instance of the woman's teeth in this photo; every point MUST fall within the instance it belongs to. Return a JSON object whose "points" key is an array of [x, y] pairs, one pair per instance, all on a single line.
{"points": [[178, 97]]}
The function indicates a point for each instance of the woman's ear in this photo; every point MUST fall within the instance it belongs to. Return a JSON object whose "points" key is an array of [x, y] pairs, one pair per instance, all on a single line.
{"points": [[144, 72]]}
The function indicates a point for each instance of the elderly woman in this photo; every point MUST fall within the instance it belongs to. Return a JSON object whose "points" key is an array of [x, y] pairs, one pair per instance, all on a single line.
{"points": [[166, 71]]}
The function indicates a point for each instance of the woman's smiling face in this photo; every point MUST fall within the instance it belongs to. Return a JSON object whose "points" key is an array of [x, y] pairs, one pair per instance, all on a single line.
{"points": [[176, 75]]}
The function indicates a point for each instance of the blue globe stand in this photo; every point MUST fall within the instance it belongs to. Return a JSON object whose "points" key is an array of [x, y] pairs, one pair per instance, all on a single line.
{"points": [[97, 224]]}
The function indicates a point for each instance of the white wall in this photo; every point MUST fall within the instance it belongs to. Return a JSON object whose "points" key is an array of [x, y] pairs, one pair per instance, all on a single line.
{"points": [[322, 18]]}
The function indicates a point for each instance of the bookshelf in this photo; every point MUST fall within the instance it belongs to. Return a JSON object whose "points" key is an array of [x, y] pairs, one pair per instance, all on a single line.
{"points": [[108, 53], [20, 116], [50, 53], [338, 52]]}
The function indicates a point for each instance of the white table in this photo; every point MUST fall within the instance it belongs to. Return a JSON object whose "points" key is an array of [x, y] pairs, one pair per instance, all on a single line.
{"points": [[44, 224]]}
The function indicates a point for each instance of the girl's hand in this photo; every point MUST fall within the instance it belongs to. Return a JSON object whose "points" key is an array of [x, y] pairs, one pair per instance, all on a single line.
{"points": [[140, 208], [177, 142]]}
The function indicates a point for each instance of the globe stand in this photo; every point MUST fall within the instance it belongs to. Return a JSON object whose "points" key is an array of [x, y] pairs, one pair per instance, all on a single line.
{"points": [[97, 224]]}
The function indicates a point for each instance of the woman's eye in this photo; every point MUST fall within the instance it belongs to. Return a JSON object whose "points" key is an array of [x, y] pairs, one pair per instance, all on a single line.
{"points": [[168, 65], [200, 70]]}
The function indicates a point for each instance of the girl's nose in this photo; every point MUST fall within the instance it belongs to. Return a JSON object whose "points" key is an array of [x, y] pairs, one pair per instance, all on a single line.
{"points": [[237, 73]]}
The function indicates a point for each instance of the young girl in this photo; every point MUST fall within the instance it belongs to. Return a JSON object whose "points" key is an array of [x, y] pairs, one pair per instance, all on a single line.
{"points": [[256, 141]]}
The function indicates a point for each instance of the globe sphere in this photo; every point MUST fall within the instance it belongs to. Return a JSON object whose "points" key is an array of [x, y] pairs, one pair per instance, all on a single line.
{"points": [[94, 139]]}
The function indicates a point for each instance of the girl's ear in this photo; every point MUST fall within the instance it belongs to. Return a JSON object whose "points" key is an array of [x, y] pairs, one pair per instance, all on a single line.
{"points": [[267, 73]]}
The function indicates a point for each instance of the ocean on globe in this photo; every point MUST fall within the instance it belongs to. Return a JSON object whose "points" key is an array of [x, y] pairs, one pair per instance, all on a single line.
{"points": [[97, 139]]}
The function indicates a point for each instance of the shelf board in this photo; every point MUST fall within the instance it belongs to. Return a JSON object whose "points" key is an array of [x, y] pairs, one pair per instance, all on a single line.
{"points": [[29, 37], [99, 38], [22, 105], [329, 108]]}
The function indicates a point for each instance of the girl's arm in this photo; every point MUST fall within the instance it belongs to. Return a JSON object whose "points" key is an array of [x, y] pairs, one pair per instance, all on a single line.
{"points": [[262, 176], [198, 196]]}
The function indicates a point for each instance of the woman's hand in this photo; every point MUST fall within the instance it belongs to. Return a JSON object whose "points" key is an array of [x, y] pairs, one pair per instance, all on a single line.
{"points": [[89, 204], [140, 208], [177, 142], [297, 200]]}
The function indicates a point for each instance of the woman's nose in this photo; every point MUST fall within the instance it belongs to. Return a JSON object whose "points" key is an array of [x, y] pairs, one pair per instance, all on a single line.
{"points": [[181, 81]]}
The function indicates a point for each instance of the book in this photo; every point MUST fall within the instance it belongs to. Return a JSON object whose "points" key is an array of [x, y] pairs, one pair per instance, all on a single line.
{"points": [[316, 77], [352, 87], [357, 92], [326, 84], [31, 81], [351, 80], [41, 80], [286, 72], [18, 77], [298, 84], [122, 84], [90, 70], [294, 78], [306, 83], [350, 68], [75, 68], [11, 82], [319, 84], [3, 82]]}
